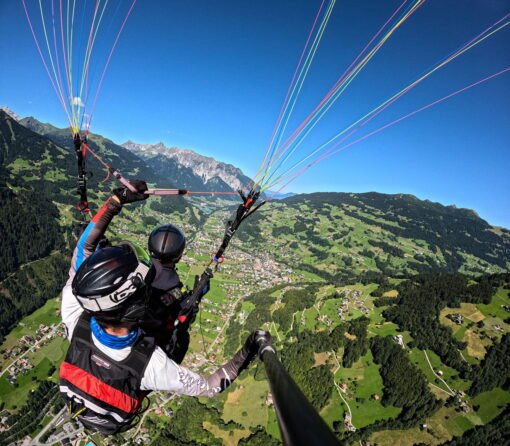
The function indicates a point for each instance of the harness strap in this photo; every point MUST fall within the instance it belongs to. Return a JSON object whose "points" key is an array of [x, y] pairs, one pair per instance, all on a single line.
{"points": [[80, 149], [244, 210]]}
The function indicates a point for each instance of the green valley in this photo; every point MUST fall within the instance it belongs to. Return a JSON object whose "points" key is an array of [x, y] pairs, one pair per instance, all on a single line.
{"points": [[391, 313]]}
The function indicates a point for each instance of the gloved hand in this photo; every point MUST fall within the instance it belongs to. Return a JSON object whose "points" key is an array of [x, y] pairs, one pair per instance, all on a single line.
{"points": [[126, 196], [206, 288], [258, 342]]}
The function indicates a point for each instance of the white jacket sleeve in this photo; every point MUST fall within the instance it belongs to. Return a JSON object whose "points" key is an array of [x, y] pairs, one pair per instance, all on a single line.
{"points": [[164, 374], [71, 309]]}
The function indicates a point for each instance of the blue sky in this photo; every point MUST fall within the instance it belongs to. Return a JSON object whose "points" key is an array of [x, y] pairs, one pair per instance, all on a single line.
{"points": [[211, 75]]}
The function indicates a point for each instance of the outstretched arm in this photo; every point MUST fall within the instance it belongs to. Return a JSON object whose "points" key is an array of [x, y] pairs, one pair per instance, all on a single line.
{"points": [[87, 243], [164, 374], [95, 230]]}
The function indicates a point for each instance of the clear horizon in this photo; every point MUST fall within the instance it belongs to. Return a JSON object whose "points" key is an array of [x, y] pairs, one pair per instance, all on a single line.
{"points": [[212, 79]]}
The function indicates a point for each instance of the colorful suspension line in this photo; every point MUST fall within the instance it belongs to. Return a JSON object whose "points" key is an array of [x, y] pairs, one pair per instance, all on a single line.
{"points": [[297, 81], [426, 107], [67, 64], [110, 55], [39, 50], [291, 87], [496, 27], [297, 137], [380, 129]]}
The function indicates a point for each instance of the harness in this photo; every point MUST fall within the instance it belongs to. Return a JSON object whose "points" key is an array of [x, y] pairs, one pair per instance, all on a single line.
{"points": [[102, 393]]}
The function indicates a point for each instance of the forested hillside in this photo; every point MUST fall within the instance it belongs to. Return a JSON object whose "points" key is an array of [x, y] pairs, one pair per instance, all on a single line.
{"points": [[357, 235], [32, 179], [38, 178]]}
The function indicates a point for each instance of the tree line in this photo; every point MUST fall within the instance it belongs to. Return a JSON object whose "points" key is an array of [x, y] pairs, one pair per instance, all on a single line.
{"points": [[26, 420], [28, 289], [420, 302], [494, 370]]}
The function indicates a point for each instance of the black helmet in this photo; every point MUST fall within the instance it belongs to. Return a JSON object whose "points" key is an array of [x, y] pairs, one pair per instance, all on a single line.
{"points": [[167, 243], [111, 283]]}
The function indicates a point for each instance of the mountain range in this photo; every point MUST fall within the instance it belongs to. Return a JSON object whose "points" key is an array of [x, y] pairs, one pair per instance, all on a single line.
{"points": [[386, 233], [189, 169]]}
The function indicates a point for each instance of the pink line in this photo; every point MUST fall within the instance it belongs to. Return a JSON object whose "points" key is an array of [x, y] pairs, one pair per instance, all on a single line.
{"points": [[88, 56], [57, 59], [91, 32], [335, 87], [108, 61], [285, 103], [66, 67], [410, 87], [42, 57], [396, 121], [87, 73], [438, 101]]}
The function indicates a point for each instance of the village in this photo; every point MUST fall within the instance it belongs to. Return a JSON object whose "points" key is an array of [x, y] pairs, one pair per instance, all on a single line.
{"points": [[17, 357], [240, 275]]}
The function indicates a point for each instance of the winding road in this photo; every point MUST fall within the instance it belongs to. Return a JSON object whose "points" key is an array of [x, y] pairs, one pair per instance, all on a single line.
{"points": [[451, 392]]}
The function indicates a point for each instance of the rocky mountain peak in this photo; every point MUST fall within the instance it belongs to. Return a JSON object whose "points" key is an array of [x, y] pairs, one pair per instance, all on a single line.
{"points": [[191, 168], [11, 113]]}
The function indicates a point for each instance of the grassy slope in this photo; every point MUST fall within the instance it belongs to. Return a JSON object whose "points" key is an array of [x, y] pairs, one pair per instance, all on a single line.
{"points": [[51, 354], [348, 231]]}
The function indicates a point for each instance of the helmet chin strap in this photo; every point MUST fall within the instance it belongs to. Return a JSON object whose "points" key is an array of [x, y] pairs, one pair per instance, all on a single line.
{"points": [[160, 264]]}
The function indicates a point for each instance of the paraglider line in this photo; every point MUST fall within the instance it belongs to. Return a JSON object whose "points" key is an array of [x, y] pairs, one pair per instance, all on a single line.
{"points": [[64, 56], [340, 87], [396, 121], [369, 116], [44, 61], [293, 96], [108, 61], [306, 68], [438, 101], [285, 103]]}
